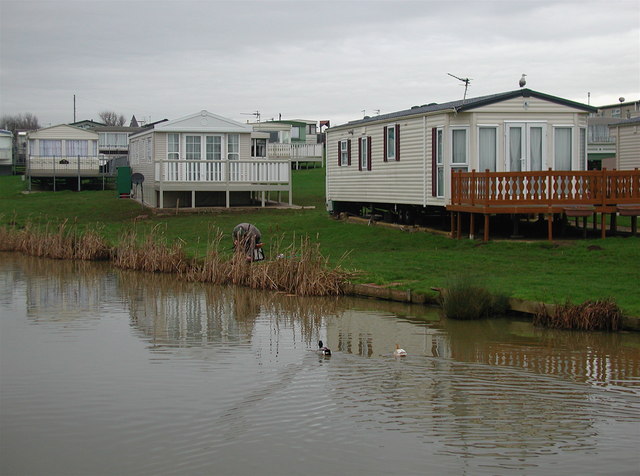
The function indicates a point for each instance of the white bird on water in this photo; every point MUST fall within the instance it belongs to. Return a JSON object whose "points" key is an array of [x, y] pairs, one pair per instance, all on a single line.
{"points": [[399, 352], [523, 81]]}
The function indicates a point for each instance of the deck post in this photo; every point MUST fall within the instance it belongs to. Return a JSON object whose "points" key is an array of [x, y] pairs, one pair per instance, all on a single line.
{"points": [[603, 226], [453, 224], [550, 225], [459, 226], [613, 225], [472, 225], [486, 227]]}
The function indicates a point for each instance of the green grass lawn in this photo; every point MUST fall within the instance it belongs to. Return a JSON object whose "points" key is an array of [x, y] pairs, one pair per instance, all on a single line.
{"points": [[538, 270]]}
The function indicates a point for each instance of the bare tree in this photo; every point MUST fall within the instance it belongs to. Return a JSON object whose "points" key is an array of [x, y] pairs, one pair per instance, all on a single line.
{"points": [[111, 118], [20, 122]]}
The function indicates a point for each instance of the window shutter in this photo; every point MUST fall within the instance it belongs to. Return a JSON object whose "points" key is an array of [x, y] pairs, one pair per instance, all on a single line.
{"points": [[369, 153], [339, 153], [434, 162], [349, 152], [384, 152], [359, 153], [397, 142]]}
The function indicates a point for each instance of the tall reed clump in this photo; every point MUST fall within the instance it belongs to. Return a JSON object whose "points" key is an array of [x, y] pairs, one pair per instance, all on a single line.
{"points": [[61, 242], [465, 300], [298, 268], [149, 254], [603, 314]]}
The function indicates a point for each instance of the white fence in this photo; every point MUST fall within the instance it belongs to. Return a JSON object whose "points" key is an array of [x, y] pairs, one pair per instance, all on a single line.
{"points": [[222, 171], [296, 152], [59, 165]]}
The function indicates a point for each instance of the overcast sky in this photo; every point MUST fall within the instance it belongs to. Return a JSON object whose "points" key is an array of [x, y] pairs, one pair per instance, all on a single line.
{"points": [[310, 59]]}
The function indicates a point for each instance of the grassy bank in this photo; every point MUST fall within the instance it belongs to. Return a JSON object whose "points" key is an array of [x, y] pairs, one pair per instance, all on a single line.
{"points": [[576, 270]]}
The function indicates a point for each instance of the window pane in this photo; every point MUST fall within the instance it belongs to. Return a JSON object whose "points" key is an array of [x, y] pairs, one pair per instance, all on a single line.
{"points": [[487, 145], [439, 150], [192, 148], [535, 146], [563, 148], [233, 147], [515, 149], [459, 154], [214, 148], [391, 142]]}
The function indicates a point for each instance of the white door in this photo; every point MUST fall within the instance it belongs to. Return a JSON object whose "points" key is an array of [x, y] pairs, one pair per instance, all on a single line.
{"points": [[525, 146]]}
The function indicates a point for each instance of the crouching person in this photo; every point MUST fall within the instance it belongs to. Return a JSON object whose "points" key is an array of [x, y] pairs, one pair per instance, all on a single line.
{"points": [[247, 237]]}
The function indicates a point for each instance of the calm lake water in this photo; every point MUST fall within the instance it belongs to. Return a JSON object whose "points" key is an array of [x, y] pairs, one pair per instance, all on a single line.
{"points": [[104, 372]]}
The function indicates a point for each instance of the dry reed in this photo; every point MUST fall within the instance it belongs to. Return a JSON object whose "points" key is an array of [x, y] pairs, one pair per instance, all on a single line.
{"points": [[601, 314], [149, 254], [63, 242], [298, 268]]}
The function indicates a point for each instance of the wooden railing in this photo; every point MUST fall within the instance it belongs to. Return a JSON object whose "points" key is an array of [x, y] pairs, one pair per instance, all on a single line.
{"points": [[223, 171], [551, 187]]}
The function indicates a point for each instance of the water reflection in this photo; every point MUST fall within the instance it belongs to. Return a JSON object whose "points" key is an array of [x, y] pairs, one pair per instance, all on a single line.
{"points": [[222, 379]]}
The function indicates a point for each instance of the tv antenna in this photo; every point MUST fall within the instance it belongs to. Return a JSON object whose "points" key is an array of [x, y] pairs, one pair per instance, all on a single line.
{"points": [[466, 82], [254, 113]]}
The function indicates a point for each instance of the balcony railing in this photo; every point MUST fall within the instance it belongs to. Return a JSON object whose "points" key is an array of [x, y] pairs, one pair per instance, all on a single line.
{"points": [[67, 165], [295, 152], [223, 171], [594, 187]]}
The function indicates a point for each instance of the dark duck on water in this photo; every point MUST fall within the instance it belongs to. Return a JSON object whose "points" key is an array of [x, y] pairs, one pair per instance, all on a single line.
{"points": [[322, 349]]}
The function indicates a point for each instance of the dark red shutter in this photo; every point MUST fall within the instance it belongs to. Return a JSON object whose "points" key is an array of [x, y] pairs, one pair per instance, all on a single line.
{"points": [[349, 152], [384, 152], [434, 162], [339, 153], [359, 153], [397, 141], [369, 153]]}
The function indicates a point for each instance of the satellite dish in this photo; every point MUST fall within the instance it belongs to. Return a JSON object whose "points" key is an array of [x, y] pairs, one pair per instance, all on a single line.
{"points": [[137, 178]]}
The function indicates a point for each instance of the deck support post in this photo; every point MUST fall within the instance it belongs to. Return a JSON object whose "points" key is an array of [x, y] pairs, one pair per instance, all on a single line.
{"points": [[486, 227], [603, 226], [613, 225], [584, 227], [453, 224], [550, 225], [459, 225], [472, 227]]}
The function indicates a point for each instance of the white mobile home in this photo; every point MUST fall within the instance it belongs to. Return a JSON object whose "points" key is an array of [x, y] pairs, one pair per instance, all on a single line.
{"points": [[204, 160], [6, 152], [627, 143], [63, 152], [403, 162]]}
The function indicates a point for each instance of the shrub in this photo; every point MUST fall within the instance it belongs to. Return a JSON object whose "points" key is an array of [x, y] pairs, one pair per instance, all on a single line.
{"points": [[601, 314], [465, 300]]}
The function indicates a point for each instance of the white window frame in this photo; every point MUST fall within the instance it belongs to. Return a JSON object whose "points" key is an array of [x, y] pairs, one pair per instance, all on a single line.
{"points": [[391, 139], [493, 127], [364, 156], [452, 130], [213, 154], [233, 146], [344, 153], [525, 145], [557, 128], [173, 154], [258, 143]]}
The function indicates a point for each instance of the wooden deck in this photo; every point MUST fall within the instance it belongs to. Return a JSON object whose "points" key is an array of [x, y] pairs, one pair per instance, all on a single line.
{"points": [[575, 194]]}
